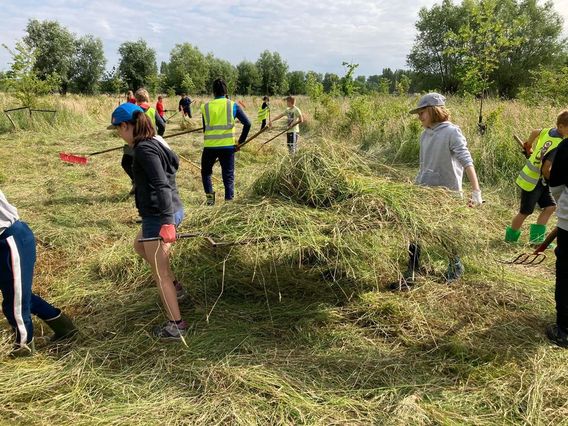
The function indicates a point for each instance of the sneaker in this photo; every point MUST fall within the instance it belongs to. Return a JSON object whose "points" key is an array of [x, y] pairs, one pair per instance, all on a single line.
{"points": [[171, 331], [455, 270], [556, 335], [181, 294], [21, 351]]}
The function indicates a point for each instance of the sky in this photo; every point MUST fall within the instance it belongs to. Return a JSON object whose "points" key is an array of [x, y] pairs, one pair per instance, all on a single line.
{"points": [[313, 35]]}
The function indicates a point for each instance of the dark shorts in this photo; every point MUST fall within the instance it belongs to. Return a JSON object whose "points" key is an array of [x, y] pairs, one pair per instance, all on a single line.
{"points": [[539, 195], [151, 224]]}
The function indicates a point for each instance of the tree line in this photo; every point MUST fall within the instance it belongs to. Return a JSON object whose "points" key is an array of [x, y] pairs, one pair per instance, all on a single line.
{"points": [[476, 46]]}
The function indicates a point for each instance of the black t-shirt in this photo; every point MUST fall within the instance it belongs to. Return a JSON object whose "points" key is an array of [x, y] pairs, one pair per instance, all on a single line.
{"points": [[559, 171]]}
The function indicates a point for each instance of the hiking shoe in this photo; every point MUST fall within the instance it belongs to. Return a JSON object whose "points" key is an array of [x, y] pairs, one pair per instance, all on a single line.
{"points": [[557, 336], [171, 331], [455, 270], [181, 294], [21, 351]]}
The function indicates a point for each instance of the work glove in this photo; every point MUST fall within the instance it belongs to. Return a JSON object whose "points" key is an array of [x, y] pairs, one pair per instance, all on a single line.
{"points": [[168, 233], [475, 199], [528, 149]]}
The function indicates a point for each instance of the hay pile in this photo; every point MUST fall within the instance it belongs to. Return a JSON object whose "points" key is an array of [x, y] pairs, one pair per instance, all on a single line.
{"points": [[320, 220]]}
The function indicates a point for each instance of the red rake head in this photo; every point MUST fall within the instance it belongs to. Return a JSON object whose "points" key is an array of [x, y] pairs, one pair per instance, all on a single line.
{"points": [[70, 158]]}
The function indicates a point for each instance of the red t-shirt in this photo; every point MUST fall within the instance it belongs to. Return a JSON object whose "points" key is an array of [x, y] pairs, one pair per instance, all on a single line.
{"points": [[160, 108], [132, 100]]}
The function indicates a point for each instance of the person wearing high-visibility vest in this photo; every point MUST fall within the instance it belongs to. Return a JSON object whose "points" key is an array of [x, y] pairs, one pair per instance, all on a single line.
{"points": [[219, 139], [264, 112], [534, 189]]}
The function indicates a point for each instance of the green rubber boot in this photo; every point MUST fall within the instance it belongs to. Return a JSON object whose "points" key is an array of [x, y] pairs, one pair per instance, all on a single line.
{"points": [[62, 326], [210, 199], [512, 235], [537, 234]]}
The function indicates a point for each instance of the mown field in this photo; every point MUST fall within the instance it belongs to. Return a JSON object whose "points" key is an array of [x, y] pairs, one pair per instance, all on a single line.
{"points": [[294, 325]]}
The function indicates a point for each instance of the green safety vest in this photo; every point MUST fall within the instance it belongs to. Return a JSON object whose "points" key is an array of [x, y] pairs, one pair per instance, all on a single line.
{"points": [[219, 123], [530, 174], [263, 114]]}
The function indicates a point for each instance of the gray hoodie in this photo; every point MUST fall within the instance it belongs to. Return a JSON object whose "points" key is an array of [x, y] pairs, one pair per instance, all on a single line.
{"points": [[559, 183], [8, 213], [443, 156]]}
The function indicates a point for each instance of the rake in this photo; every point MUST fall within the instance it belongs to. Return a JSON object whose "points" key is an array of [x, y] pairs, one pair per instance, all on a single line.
{"points": [[83, 158], [537, 256], [279, 134]]}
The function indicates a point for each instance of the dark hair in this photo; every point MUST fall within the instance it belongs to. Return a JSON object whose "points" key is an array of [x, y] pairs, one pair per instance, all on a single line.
{"points": [[562, 118], [219, 88], [266, 99], [143, 128]]}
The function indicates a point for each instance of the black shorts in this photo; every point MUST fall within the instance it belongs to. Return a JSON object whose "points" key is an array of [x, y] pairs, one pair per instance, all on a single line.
{"points": [[540, 194]]}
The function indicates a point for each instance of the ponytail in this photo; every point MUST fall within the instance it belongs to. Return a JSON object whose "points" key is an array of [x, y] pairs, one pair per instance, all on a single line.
{"points": [[143, 128]]}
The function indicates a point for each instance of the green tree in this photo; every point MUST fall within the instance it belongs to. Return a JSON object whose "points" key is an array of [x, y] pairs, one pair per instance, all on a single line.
{"points": [[431, 57], [314, 86], [137, 66], [111, 83], [547, 85], [347, 80], [88, 65], [54, 49], [384, 86], [482, 43], [272, 70], [331, 83], [220, 68], [297, 83], [248, 80], [186, 59], [539, 27], [403, 85], [23, 79]]}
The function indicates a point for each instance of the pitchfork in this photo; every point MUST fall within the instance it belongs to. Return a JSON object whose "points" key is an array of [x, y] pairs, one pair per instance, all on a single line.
{"points": [[537, 256]]}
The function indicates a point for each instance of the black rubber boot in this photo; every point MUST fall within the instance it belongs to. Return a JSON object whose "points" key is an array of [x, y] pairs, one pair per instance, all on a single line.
{"points": [[62, 326], [412, 269]]}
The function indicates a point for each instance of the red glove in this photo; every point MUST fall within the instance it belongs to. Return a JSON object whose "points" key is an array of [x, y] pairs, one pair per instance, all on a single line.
{"points": [[168, 233], [528, 148]]}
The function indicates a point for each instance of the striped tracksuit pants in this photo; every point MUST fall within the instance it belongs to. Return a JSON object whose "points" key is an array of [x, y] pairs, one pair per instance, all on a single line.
{"points": [[17, 259]]}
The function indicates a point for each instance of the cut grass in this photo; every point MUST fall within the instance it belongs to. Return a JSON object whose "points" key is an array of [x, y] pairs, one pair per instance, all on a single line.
{"points": [[294, 329]]}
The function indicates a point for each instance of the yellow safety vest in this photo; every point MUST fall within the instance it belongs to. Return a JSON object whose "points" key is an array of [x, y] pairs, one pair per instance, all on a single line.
{"points": [[263, 114], [530, 174], [219, 123], [151, 113]]}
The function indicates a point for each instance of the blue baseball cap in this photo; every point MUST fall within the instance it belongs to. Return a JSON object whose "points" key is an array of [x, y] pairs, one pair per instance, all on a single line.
{"points": [[123, 113], [430, 99]]}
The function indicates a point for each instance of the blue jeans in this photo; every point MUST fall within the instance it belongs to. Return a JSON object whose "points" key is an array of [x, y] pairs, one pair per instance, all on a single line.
{"points": [[226, 158], [17, 260]]}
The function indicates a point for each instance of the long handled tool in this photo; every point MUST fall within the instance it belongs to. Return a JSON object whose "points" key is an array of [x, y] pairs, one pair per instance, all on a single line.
{"points": [[83, 158], [279, 134], [537, 256], [260, 132], [522, 146], [209, 239]]}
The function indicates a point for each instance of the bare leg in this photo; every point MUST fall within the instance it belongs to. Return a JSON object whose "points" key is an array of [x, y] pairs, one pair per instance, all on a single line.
{"points": [[156, 254], [545, 214], [518, 221]]}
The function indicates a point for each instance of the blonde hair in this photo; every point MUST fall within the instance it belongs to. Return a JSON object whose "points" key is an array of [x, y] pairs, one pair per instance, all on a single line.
{"points": [[142, 95], [438, 114]]}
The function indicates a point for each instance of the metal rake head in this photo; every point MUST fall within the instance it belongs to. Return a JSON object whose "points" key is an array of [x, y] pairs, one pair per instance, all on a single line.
{"points": [[528, 259]]}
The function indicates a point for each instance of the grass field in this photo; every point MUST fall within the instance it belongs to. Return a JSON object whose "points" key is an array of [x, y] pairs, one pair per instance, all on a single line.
{"points": [[294, 326]]}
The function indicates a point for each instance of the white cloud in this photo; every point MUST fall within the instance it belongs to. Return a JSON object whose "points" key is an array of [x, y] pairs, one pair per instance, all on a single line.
{"points": [[311, 35]]}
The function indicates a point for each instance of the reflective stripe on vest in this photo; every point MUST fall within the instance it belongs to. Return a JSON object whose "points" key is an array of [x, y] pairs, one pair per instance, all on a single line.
{"points": [[530, 174], [219, 123]]}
